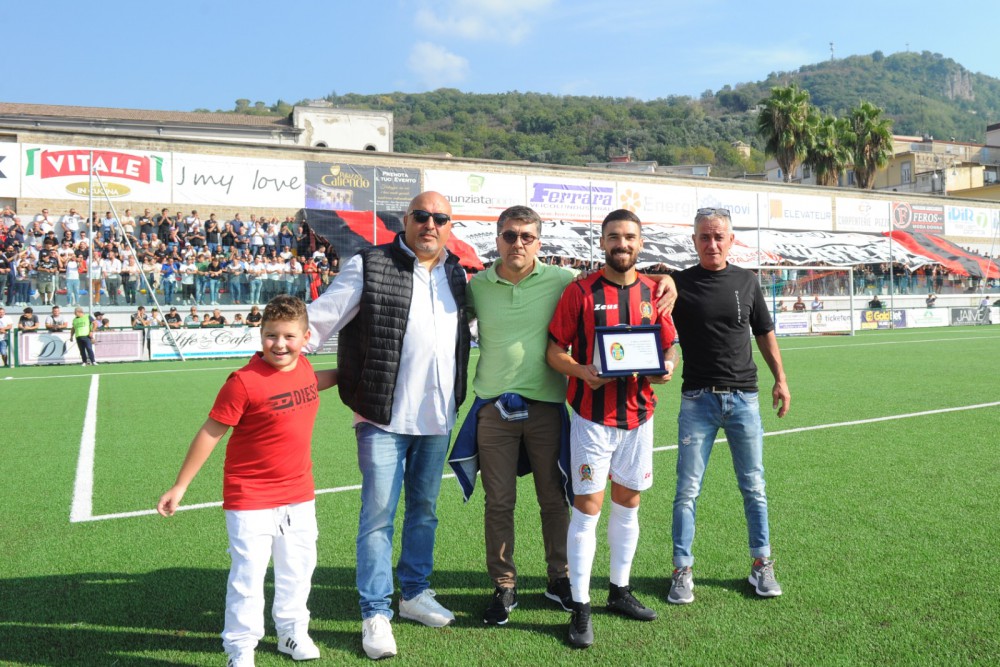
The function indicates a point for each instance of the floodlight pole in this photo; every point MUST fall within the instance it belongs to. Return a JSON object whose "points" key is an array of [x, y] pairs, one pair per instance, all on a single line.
{"points": [[90, 240], [149, 288], [590, 227], [993, 247], [892, 290], [375, 206]]}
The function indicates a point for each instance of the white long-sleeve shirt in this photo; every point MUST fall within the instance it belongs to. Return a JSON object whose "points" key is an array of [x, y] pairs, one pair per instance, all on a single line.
{"points": [[424, 396]]}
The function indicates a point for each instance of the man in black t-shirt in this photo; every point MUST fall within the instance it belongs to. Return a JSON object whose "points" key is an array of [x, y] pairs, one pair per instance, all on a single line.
{"points": [[173, 318], [719, 308]]}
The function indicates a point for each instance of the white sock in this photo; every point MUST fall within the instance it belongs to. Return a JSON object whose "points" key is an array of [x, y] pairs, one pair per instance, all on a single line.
{"points": [[581, 544], [623, 536]]}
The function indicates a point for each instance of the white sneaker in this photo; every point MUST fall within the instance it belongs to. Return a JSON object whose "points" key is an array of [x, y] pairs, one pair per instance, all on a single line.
{"points": [[376, 637], [299, 646], [240, 659], [425, 609]]}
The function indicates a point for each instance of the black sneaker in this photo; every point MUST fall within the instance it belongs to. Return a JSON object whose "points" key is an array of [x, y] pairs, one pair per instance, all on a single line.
{"points": [[621, 600], [558, 591], [581, 632], [498, 613]]}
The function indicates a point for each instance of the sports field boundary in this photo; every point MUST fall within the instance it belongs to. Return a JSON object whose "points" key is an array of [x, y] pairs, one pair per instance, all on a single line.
{"points": [[82, 507]]}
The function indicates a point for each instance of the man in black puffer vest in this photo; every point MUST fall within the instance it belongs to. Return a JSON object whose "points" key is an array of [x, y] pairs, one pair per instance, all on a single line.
{"points": [[402, 359]]}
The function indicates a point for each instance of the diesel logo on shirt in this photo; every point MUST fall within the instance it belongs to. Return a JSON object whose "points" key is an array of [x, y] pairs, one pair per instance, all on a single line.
{"points": [[291, 399]]}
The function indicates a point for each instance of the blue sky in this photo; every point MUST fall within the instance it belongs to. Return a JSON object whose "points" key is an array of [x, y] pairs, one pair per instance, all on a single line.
{"points": [[183, 55]]}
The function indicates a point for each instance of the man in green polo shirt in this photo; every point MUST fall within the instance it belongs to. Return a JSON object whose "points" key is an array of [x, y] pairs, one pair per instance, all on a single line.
{"points": [[519, 399]]}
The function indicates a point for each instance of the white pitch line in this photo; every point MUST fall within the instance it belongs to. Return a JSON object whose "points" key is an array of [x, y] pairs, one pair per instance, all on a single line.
{"points": [[83, 487], [357, 487], [785, 348], [857, 422], [201, 506]]}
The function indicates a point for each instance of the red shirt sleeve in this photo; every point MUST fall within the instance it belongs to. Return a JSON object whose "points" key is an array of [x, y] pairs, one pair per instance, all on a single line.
{"points": [[668, 333], [231, 403], [565, 324]]}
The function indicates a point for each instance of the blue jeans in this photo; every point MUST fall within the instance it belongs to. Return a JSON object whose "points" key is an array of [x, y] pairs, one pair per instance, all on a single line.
{"points": [[169, 283], [255, 286], [388, 462], [701, 416], [235, 287], [72, 291]]}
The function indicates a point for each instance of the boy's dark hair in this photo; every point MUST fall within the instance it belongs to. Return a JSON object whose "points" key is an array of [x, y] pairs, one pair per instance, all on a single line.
{"points": [[620, 214], [285, 308]]}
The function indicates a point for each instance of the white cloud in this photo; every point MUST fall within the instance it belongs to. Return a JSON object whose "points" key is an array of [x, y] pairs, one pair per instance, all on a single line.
{"points": [[500, 20], [436, 66]]}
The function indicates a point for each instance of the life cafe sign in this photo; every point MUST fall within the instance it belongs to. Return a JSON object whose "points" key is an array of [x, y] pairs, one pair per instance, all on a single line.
{"points": [[204, 343]]}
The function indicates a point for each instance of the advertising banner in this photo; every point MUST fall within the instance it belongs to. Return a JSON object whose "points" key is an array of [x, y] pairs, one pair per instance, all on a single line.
{"points": [[742, 206], [926, 317], [790, 324], [340, 187], [971, 221], [476, 195], [205, 343], [964, 316], [10, 170], [571, 199], [918, 218], [838, 249], [662, 244], [56, 347], [862, 215], [395, 187], [882, 319], [830, 321], [787, 211], [670, 204], [222, 180], [63, 172]]}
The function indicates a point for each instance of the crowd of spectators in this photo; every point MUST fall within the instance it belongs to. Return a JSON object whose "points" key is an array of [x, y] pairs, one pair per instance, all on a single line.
{"points": [[871, 279], [141, 319], [183, 258], [190, 261]]}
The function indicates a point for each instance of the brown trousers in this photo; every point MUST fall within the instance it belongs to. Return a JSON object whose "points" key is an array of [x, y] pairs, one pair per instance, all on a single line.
{"points": [[499, 444]]}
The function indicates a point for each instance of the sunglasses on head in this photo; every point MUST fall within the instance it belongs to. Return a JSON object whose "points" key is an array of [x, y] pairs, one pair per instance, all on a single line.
{"points": [[712, 212], [422, 216], [512, 237]]}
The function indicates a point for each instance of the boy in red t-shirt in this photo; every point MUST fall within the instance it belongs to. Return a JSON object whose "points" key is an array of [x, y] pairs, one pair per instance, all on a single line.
{"points": [[268, 492]]}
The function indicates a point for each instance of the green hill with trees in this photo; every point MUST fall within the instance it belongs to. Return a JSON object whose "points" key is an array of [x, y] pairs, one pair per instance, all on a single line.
{"points": [[922, 93]]}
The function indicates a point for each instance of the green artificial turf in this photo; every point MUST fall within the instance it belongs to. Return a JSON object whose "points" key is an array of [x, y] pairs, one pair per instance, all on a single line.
{"points": [[885, 532]]}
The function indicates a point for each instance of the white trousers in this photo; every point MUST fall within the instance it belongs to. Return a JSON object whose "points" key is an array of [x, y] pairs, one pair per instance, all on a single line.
{"points": [[288, 534]]}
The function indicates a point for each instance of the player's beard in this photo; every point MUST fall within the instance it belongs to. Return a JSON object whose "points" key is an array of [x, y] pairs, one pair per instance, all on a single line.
{"points": [[620, 262]]}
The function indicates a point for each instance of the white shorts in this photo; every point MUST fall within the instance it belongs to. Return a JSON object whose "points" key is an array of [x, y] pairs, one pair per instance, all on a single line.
{"points": [[599, 452]]}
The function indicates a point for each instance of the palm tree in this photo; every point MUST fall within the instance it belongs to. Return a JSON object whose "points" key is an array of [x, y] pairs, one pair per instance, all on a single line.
{"points": [[829, 152], [869, 136], [786, 124]]}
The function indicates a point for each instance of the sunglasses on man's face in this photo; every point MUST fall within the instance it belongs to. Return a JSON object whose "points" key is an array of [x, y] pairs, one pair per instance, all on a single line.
{"points": [[511, 237], [421, 216]]}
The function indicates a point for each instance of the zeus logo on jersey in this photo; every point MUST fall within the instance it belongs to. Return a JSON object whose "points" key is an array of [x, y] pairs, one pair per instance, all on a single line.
{"points": [[291, 399], [605, 306]]}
